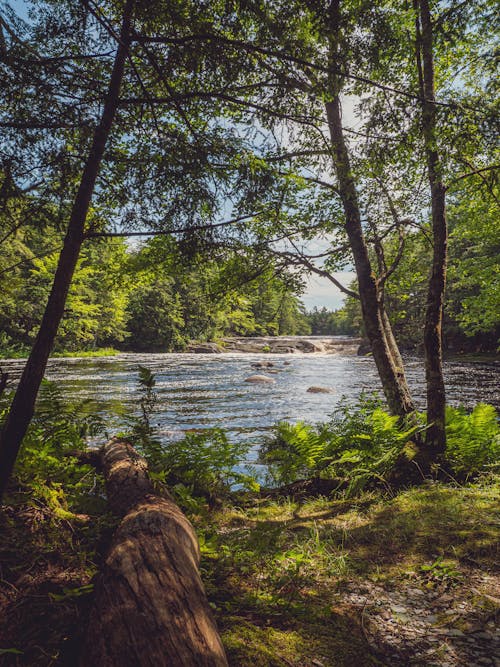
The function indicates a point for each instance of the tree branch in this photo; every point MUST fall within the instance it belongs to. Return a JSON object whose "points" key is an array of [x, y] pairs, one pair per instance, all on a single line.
{"points": [[476, 172], [300, 258], [166, 232], [255, 48]]}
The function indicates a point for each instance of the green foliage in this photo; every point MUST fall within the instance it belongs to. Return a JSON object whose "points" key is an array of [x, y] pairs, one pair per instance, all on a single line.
{"points": [[359, 443], [44, 467], [95, 309], [206, 462], [473, 282], [441, 570], [205, 296], [472, 439], [474, 274], [345, 321], [155, 317], [202, 463], [293, 452]]}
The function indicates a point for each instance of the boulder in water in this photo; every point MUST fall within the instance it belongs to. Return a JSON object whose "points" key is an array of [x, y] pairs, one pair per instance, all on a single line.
{"points": [[321, 390], [263, 379], [262, 364], [205, 348], [364, 348]]}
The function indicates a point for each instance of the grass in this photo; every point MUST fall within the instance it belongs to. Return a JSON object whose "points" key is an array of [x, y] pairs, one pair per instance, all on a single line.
{"points": [[23, 354], [275, 571], [100, 352], [46, 582]]}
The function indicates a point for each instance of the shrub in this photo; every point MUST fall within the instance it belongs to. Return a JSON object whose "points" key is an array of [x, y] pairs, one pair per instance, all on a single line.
{"points": [[362, 442], [204, 462], [472, 439], [44, 470]]}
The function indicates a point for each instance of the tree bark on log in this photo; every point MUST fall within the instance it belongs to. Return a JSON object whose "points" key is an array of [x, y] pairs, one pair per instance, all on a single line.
{"points": [[150, 607]]}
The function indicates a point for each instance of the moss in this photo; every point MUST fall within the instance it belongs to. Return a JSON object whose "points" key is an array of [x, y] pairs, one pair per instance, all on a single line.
{"points": [[327, 641]]}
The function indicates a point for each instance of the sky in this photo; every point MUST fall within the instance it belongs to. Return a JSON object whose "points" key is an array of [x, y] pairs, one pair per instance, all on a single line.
{"points": [[321, 292]]}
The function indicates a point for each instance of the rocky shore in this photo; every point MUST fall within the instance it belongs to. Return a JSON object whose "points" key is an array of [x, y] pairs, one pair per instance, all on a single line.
{"points": [[281, 345]]}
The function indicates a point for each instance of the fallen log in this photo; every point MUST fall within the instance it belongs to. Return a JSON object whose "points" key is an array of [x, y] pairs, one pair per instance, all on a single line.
{"points": [[150, 607]]}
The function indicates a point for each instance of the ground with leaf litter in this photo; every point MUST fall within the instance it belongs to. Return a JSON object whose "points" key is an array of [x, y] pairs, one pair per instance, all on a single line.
{"points": [[409, 579], [404, 580]]}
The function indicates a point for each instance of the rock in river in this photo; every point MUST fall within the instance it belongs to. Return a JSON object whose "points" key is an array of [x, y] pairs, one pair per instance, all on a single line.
{"points": [[320, 390], [205, 348], [259, 378]]}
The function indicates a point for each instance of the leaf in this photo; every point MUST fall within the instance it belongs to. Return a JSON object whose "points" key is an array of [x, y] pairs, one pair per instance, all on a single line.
{"points": [[12, 651]]}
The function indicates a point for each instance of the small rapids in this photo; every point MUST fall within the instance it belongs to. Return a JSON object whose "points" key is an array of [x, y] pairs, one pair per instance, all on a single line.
{"points": [[197, 391]]}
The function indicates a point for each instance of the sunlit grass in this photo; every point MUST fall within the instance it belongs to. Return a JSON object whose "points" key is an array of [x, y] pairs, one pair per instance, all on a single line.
{"points": [[276, 568]]}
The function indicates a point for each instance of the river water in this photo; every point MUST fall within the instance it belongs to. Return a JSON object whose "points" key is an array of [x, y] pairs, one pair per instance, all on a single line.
{"points": [[198, 391]]}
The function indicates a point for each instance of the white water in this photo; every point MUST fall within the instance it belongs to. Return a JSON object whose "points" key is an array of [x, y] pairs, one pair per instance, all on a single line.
{"points": [[200, 391]]}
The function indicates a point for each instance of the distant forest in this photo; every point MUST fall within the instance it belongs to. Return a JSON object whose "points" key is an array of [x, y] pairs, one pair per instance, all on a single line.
{"points": [[158, 295]]}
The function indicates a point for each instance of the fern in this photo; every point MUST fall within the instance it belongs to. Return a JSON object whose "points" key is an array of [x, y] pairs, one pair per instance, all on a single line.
{"points": [[473, 439], [43, 467], [359, 443]]}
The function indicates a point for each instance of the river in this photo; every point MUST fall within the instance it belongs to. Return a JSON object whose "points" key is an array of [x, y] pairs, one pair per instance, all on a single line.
{"points": [[204, 390]]}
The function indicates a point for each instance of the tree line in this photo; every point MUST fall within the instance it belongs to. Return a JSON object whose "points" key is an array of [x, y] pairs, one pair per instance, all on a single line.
{"points": [[155, 296], [148, 298], [225, 125]]}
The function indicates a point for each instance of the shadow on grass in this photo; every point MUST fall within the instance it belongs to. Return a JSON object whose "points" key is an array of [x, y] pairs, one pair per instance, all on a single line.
{"points": [[46, 567], [278, 576]]}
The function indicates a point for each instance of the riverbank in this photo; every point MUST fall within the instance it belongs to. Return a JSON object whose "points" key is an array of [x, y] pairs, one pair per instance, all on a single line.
{"points": [[378, 579], [260, 345], [99, 352], [345, 345], [279, 345]]}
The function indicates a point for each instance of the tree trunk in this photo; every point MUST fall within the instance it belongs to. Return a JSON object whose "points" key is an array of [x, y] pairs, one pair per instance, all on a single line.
{"points": [[150, 607], [397, 359], [435, 439], [393, 382], [23, 404]]}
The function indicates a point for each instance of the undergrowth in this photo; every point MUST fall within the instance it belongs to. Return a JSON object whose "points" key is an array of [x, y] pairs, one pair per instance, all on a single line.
{"points": [[45, 472], [361, 442], [201, 464], [275, 570]]}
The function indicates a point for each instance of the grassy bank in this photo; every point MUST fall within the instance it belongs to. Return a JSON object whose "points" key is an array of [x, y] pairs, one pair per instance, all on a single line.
{"points": [[367, 576], [23, 354], [291, 583]]}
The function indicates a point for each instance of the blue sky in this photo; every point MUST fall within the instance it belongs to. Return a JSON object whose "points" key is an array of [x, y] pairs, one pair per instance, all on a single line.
{"points": [[321, 292]]}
